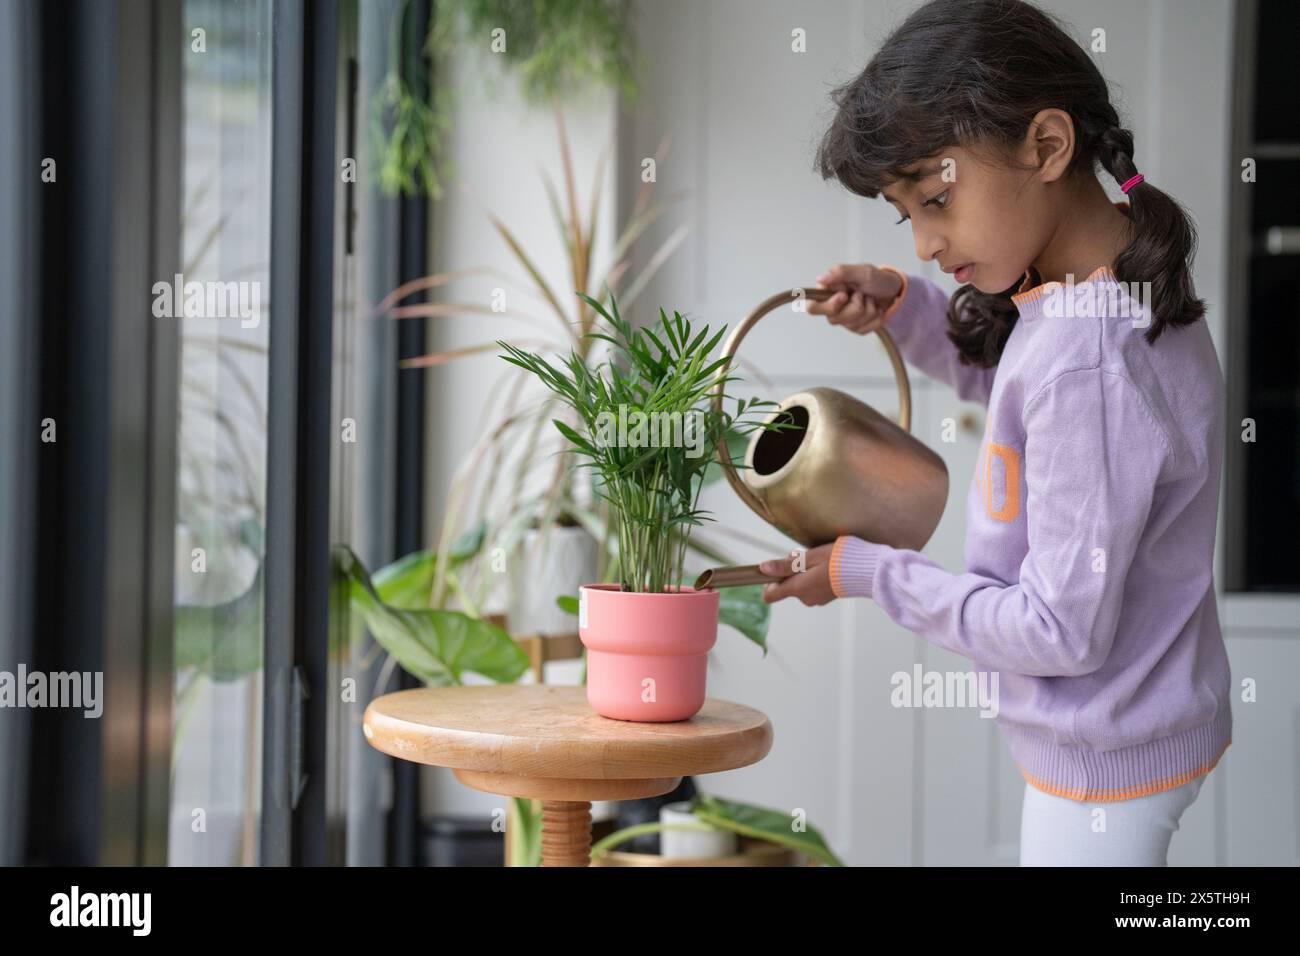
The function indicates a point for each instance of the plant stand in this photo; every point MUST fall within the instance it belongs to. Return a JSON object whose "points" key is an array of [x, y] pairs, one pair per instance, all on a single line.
{"points": [[545, 742]]}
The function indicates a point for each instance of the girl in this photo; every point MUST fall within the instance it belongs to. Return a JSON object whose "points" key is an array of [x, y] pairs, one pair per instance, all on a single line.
{"points": [[1091, 517]]}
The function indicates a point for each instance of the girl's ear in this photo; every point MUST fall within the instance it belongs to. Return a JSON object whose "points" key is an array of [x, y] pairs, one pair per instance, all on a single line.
{"points": [[1051, 142]]}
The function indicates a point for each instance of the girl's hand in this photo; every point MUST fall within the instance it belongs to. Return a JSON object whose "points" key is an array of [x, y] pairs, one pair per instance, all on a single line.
{"points": [[863, 294], [812, 585]]}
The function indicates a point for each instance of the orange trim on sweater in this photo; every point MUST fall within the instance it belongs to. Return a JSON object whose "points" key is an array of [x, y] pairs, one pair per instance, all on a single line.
{"points": [[1025, 296], [902, 293], [835, 566], [1123, 793]]}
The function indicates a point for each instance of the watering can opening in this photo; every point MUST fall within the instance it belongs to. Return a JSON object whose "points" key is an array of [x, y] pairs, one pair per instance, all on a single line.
{"points": [[773, 450]]}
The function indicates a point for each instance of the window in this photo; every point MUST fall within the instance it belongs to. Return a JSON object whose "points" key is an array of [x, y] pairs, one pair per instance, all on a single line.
{"points": [[1263, 426]]}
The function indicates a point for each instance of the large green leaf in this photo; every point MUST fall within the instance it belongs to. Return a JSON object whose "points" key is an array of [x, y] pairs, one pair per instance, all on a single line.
{"points": [[747, 819], [745, 610], [766, 824], [435, 645], [408, 581]]}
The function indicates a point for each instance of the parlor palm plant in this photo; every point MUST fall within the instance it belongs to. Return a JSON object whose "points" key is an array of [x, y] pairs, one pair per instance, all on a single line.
{"points": [[651, 416], [660, 384]]}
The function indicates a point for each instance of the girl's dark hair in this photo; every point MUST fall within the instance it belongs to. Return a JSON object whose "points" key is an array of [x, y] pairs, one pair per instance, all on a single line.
{"points": [[974, 73]]}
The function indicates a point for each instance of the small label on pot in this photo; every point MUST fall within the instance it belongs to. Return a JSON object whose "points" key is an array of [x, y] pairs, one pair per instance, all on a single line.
{"points": [[582, 607]]}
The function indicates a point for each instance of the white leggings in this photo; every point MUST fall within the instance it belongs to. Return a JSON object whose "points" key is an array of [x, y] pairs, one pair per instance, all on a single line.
{"points": [[1057, 831]]}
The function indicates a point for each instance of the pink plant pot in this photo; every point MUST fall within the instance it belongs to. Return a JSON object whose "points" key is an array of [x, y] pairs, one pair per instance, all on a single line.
{"points": [[647, 654]]}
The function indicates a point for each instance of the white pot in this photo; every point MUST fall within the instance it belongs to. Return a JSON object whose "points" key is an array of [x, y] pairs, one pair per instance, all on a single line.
{"points": [[540, 571], [691, 844]]}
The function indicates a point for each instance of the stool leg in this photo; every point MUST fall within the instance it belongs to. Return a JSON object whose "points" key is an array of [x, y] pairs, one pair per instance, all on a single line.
{"points": [[566, 833]]}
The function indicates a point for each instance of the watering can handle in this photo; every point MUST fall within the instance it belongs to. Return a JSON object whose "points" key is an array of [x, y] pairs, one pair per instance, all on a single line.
{"points": [[733, 343]]}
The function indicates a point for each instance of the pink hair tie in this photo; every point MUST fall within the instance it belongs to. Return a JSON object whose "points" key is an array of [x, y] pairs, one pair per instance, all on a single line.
{"points": [[1131, 183]]}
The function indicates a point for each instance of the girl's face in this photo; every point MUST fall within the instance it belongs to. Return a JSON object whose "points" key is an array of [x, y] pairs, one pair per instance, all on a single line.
{"points": [[983, 223]]}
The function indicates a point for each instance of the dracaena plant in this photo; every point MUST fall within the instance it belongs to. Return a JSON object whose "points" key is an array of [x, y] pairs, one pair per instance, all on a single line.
{"points": [[651, 427]]}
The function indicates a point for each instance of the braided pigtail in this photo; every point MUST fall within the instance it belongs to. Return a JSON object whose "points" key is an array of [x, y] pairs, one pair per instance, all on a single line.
{"points": [[1164, 240]]}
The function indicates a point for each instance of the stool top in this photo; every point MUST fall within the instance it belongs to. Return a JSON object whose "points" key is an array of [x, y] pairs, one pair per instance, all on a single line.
{"points": [[550, 731]]}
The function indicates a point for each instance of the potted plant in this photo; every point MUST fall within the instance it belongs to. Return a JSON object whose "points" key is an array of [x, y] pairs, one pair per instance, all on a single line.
{"points": [[650, 431], [762, 836]]}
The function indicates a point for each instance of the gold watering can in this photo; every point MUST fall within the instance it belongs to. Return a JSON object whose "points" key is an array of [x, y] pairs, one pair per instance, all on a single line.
{"points": [[842, 469]]}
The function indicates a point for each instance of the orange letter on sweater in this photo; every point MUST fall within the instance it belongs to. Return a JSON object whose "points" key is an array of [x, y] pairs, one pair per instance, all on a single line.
{"points": [[1011, 484]]}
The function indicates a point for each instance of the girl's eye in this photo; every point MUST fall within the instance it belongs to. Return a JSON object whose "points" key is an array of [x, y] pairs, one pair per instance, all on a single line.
{"points": [[935, 200], [943, 195]]}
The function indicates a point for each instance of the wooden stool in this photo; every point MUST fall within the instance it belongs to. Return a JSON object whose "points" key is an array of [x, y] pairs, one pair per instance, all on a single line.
{"points": [[544, 741]]}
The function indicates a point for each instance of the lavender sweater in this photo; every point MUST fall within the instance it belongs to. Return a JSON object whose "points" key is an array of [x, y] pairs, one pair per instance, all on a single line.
{"points": [[1090, 539]]}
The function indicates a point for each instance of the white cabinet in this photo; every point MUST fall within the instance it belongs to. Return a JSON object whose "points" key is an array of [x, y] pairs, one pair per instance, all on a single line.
{"points": [[1261, 786]]}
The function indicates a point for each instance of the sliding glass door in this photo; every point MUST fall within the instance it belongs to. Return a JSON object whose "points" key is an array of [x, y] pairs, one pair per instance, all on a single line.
{"points": [[199, 404]]}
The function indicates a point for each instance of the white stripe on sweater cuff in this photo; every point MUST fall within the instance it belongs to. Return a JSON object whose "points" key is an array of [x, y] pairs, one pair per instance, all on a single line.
{"points": [[853, 566]]}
